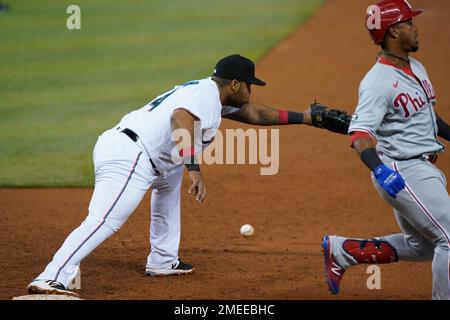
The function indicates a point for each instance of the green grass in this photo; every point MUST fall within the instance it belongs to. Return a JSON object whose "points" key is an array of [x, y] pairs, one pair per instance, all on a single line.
{"points": [[60, 89]]}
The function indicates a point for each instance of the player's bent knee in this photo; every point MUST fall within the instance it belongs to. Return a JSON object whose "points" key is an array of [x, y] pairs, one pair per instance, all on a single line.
{"points": [[442, 244], [420, 247]]}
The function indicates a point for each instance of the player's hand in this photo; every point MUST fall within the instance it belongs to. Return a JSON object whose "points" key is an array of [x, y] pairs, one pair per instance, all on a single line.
{"points": [[391, 181], [198, 186]]}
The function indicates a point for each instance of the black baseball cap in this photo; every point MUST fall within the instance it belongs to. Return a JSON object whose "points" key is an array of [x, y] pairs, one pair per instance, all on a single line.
{"points": [[239, 68]]}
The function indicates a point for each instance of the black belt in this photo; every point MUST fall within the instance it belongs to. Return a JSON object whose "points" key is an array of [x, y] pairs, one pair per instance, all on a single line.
{"points": [[428, 157], [133, 136]]}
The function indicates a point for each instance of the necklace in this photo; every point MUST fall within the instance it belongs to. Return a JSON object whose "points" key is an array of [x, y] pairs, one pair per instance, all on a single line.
{"points": [[387, 53]]}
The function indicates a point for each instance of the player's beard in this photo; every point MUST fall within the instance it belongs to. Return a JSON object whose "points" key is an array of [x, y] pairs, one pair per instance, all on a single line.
{"points": [[410, 47], [415, 44], [235, 100], [414, 48]]}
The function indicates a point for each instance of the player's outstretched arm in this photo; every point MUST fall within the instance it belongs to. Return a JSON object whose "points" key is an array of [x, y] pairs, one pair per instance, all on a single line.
{"points": [[391, 181], [316, 115], [259, 114], [443, 128], [182, 124]]}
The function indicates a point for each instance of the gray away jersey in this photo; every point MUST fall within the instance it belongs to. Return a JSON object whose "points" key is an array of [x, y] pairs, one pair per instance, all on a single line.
{"points": [[398, 111]]}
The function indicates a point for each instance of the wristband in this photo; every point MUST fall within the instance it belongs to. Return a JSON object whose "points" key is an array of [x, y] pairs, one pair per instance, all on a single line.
{"points": [[187, 152], [193, 167], [371, 158], [190, 159], [289, 117]]}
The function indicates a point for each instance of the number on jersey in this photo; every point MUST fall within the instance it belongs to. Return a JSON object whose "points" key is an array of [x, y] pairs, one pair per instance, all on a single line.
{"points": [[159, 99]]}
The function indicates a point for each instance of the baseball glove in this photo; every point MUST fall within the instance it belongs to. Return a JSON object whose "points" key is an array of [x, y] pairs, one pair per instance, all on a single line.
{"points": [[331, 119]]}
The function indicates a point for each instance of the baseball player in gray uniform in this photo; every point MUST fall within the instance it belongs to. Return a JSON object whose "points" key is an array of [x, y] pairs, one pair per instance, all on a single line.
{"points": [[396, 107], [138, 154]]}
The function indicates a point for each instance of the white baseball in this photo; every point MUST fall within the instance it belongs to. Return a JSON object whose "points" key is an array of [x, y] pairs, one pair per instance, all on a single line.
{"points": [[247, 230]]}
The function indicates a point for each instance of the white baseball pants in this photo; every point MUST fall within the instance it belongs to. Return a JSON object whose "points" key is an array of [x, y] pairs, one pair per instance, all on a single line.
{"points": [[122, 177]]}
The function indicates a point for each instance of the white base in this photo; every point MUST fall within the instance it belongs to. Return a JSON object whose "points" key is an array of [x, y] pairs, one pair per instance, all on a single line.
{"points": [[46, 297]]}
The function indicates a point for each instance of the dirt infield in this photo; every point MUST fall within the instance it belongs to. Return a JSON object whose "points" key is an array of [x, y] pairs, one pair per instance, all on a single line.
{"points": [[321, 188]]}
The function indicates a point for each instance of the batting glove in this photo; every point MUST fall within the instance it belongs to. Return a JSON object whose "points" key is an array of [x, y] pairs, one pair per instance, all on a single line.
{"points": [[391, 181]]}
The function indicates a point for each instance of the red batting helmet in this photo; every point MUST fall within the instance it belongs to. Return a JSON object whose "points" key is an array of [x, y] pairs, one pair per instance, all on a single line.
{"points": [[389, 12]]}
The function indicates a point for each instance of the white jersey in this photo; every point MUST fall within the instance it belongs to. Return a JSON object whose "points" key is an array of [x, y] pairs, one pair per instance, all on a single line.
{"points": [[152, 122], [396, 107]]}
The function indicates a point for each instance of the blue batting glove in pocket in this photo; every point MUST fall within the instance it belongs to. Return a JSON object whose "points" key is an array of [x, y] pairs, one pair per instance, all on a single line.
{"points": [[391, 181]]}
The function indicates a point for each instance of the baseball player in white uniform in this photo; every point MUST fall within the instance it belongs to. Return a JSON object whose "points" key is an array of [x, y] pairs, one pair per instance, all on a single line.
{"points": [[396, 107], [138, 154]]}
